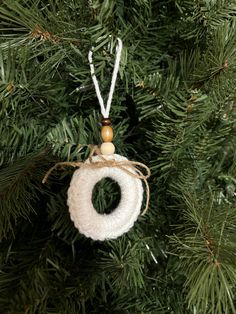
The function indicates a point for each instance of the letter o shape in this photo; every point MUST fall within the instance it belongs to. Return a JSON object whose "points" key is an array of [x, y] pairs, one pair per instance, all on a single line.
{"points": [[82, 212]]}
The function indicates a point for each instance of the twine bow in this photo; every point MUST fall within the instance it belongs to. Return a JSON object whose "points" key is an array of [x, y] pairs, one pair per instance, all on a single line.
{"points": [[132, 168]]}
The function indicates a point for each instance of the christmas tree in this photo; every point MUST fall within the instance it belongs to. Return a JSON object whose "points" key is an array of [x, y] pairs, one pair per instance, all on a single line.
{"points": [[173, 109]]}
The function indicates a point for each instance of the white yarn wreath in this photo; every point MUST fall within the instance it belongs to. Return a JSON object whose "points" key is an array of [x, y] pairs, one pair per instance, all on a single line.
{"points": [[85, 217]]}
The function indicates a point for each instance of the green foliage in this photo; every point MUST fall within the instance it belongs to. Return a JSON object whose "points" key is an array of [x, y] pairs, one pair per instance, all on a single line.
{"points": [[20, 186], [173, 109], [207, 247]]}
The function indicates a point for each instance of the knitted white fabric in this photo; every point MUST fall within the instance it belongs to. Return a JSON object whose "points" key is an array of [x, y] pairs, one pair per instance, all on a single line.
{"points": [[104, 226]]}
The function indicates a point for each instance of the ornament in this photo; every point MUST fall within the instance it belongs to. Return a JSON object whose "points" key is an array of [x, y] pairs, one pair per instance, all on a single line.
{"points": [[126, 173], [84, 215]]}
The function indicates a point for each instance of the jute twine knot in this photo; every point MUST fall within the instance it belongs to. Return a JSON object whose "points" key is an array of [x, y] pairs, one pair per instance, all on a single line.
{"points": [[133, 168]]}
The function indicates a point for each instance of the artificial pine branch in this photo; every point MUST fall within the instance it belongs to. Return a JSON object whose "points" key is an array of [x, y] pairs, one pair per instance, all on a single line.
{"points": [[177, 79], [20, 188]]}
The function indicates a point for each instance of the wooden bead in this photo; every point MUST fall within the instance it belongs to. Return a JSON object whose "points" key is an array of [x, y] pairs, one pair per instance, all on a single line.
{"points": [[106, 121], [107, 148], [107, 133]]}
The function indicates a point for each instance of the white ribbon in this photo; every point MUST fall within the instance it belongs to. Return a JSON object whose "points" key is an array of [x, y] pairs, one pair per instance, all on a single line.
{"points": [[105, 110]]}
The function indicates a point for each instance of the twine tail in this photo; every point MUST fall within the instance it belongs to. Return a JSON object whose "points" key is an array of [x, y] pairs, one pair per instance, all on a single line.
{"points": [[61, 164], [147, 187]]}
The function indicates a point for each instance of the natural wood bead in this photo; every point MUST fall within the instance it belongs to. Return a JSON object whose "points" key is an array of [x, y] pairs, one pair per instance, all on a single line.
{"points": [[106, 121], [107, 148], [107, 133]]}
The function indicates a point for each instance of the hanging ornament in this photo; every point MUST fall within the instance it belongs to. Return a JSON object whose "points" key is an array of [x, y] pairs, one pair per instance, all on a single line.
{"points": [[105, 164]]}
